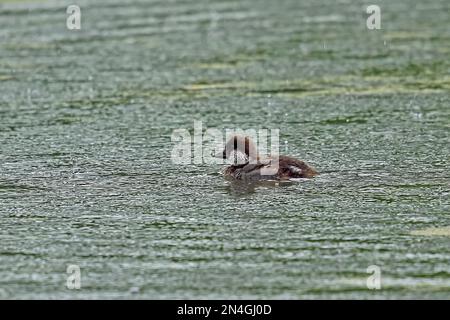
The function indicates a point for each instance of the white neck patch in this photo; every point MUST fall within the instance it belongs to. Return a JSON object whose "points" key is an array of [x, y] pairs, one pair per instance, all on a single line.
{"points": [[237, 158]]}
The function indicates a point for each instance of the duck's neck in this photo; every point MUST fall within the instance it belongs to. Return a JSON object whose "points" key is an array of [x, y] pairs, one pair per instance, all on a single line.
{"points": [[247, 161]]}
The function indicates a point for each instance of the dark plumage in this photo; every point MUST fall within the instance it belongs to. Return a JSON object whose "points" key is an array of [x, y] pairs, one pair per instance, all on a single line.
{"points": [[248, 164]]}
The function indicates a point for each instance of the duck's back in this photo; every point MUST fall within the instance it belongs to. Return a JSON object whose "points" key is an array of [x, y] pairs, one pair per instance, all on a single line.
{"points": [[288, 168], [293, 168]]}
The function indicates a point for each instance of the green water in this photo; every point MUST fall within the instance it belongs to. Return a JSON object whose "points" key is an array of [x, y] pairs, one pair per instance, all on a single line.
{"points": [[86, 177]]}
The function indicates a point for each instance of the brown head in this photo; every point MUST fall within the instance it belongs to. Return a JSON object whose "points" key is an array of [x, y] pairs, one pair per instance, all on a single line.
{"points": [[241, 149]]}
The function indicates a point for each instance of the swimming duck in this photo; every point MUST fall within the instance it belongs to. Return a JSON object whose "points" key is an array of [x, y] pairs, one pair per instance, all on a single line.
{"points": [[246, 163]]}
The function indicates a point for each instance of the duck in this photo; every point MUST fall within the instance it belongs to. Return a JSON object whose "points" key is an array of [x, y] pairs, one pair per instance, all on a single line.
{"points": [[247, 164]]}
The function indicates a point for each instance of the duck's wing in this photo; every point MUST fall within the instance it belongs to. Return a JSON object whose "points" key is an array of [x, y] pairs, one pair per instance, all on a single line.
{"points": [[265, 168], [293, 168], [252, 167]]}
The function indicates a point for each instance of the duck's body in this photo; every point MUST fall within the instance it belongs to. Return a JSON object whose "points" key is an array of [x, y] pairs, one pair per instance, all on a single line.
{"points": [[288, 168], [255, 167]]}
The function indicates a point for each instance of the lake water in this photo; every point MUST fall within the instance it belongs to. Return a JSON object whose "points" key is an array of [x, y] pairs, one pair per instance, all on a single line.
{"points": [[86, 178]]}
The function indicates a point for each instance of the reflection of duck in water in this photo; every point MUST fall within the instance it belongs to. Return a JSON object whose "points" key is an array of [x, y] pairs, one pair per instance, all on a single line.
{"points": [[247, 164], [245, 187]]}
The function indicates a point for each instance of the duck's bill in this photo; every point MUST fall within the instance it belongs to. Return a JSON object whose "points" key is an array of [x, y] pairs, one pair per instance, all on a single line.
{"points": [[221, 155]]}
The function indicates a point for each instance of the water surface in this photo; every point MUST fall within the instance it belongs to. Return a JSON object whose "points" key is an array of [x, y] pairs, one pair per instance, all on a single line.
{"points": [[86, 178]]}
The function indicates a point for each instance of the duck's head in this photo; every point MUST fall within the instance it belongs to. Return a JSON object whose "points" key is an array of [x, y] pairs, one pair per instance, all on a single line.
{"points": [[239, 150]]}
